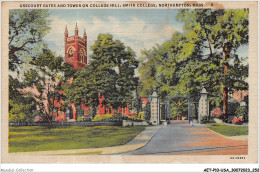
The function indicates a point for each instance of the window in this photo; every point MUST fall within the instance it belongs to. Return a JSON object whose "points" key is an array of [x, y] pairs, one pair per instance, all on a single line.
{"points": [[71, 52], [81, 55]]}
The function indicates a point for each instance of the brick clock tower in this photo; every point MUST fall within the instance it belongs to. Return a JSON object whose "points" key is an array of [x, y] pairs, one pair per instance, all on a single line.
{"points": [[76, 49]]}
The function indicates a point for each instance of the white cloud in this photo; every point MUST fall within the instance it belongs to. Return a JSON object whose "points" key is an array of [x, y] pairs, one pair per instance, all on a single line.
{"points": [[135, 33]]}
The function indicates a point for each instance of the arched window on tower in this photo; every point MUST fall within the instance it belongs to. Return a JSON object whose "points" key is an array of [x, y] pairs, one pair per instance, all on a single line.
{"points": [[71, 52], [81, 55]]}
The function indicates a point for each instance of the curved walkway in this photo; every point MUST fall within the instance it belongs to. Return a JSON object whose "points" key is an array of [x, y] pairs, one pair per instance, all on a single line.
{"points": [[180, 138]]}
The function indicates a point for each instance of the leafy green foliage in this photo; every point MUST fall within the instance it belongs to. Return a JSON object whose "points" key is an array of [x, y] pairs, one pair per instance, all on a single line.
{"points": [[79, 118], [179, 108], [20, 112], [221, 32], [110, 73], [20, 108], [206, 119], [243, 112], [232, 106], [199, 55], [26, 31], [138, 117], [120, 117], [111, 117], [85, 85], [106, 117], [147, 112], [43, 82], [68, 70]]}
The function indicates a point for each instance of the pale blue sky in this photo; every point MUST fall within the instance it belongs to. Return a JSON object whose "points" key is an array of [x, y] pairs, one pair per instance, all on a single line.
{"points": [[136, 28]]}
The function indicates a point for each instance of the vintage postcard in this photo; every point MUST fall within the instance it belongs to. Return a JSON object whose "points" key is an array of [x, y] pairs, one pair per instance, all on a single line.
{"points": [[129, 82]]}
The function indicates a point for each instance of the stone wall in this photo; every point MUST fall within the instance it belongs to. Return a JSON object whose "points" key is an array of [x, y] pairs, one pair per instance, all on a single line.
{"points": [[75, 123], [134, 123]]}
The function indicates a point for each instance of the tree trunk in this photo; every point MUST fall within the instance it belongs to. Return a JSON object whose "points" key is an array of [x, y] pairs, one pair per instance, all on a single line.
{"points": [[210, 49], [49, 119], [225, 88], [225, 102]]}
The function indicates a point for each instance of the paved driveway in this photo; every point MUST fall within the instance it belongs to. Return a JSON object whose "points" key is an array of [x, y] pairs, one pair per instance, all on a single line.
{"points": [[181, 138]]}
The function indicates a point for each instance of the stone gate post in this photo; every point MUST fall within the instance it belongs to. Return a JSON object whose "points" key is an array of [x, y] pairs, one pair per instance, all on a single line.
{"points": [[154, 107], [203, 104]]}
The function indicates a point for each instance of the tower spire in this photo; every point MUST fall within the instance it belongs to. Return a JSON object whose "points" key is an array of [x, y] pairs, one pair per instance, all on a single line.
{"points": [[76, 29], [85, 35], [66, 30]]}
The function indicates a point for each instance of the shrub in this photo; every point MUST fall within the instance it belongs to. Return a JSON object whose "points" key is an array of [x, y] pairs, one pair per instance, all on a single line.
{"points": [[119, 117], [238, 120], [59, 119], [131, 114], [206, 119], [88, 118], [216, 113], [38, 119], [106, 117], [211, 120], [79, 118], [138, 117], [242, 112], [230, 119], [147, 112], [232, 106]]}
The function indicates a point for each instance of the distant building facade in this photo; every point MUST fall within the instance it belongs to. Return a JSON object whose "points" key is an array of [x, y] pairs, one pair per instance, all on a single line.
{"points": [[239, 95]]}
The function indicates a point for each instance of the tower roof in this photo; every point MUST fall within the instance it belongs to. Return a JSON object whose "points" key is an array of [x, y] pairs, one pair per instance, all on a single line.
{"points": [[203, 91], [66, 30], [76, 27]]}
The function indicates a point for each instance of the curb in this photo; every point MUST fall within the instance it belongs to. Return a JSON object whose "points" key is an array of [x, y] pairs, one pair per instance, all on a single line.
{"points": [[139, 146], [231, 137]]}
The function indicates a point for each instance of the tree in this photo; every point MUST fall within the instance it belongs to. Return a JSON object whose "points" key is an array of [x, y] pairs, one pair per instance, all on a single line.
{"points": [[110, 73], [84, 88], [115, 65], [20, 107], [180, 65], [43, 82], [223, 31], [20, 112], [26, 31], [164, 67]]}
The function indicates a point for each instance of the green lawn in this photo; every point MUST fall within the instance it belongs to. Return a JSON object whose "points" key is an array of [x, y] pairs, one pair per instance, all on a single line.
{"points": [[32, 138], [229, 130]]}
